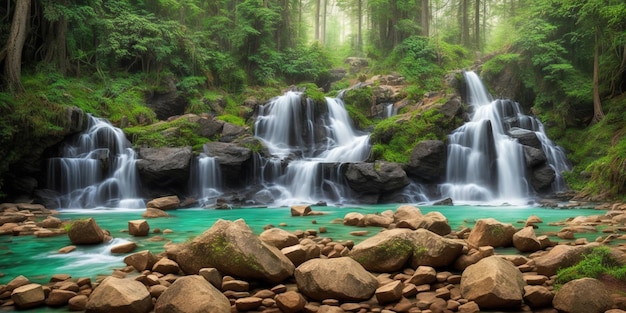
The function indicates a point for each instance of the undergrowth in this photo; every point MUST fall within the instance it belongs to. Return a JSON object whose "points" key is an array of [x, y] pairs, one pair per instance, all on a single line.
{"points": [[599, 261]]}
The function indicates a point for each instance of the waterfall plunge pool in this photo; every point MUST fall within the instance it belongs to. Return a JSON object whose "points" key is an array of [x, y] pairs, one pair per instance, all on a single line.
{"points": [[38, 259]]}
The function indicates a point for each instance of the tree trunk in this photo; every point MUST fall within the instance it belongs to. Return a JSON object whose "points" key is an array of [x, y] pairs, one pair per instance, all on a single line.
{"points": [[317, 19], [465, 23], [425, 18], [323, 28], [359, 33], [477, 25], [598, 114], [15, 44]]}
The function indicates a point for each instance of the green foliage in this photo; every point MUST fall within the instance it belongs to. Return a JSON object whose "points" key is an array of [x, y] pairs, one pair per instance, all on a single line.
{"points": [[599, 261], [361, 98], [497, 64], [228, 118], [305, 63], [395, 137], [177, 133]]}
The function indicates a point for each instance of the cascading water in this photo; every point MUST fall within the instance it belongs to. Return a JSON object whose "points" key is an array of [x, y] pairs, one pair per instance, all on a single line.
{"points": [[206, 179], [312, 141], [484, 163], [96, 169]]}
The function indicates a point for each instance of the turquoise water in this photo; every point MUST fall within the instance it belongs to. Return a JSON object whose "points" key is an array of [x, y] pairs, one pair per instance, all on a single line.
{"points": [[37, 258]]}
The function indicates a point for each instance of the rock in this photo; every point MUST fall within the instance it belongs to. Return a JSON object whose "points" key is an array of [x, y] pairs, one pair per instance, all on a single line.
{"points": [[534, 157], [436, 223], [526, 241], [585, 295], [279, 238], [233, 249], [164, 170], [78, 303], [375, 178], [453, 107], [290, 302], [538, 296], [154, 213], [164, 203], [525, 137], [85, 232], [138, 228], [423, 275], [124, 247], [542, 177], [490, 232], [166, 266], [51, 222], [16, 282], [230, 132], [354, 219], [470, 307], [212, 275], [301, 253], [233, 160], [378, 220], [427, 161], [248, 304], [119, 295], [192, 294], [167, 100], [28, 296], [559, 257], [141, 261], [209, 127], [390, 292], [407, 212], [385, 252], [66, 249], [341, 278], [493, 283], [59, 297], [434, 250], [300, 210]]}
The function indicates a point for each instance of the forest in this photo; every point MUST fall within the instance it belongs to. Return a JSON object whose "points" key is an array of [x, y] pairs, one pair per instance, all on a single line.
{"points": [[568, 58]]}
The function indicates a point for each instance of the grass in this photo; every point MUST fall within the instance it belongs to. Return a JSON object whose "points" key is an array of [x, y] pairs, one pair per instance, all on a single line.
{"points": [[599, 261]]}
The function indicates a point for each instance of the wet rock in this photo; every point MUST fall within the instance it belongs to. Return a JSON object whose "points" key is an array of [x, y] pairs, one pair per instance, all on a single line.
{"points": [[233, 249], [192, 294], [427, 161], [300, 210], [124, 247], [542, 177], [493, 283], [354, 219], [28, 296], [138, 228], [233, 160], [119, 295], [85, 232], [154, 213], [164, 203], [375, 178], [342, 278], [570, 297], [59, 297], [165, 170]]}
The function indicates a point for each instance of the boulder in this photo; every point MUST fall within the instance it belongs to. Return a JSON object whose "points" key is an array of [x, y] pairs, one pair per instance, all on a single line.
{"points": [[427, 161], [493, 283], [377, 220], [85, 232], [279, 238], [230, 132], [525, 137], [423, 275], [59, 297], [341, 278], [407, 212], [534, 157], [165, 170], [166, 266], [385, 252], [233, 160], [538, 296], [490, 232], [542, 177], [154, 213], [120, 295], [141, 261], [28, 296], [167, 100], [375, 178], [559, 257], [192, 294], [138, 228], [389, 292], [125, 247], [233, 249], [164, 203], [436, 223], [290, 302], [585, 295], [354, 219], [51, 222], [526, 241], [434, 250], [300, 210]]}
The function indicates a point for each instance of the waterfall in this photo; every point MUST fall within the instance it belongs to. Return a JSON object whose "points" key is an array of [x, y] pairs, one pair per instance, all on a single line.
{"points": [[484, 163], [96, 169], [306, 141], [206, 179]]}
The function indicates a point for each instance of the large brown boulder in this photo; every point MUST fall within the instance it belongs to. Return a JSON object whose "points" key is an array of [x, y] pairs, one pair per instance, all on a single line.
{"points": [[278, 238], [585, 295], [233, 249], [119, 295], [164, 203], [525, 240], [385, 252], [391, 250], [493, 283], [559, 257], [28, 296], [427, 161], [490, 232], [341, 278], [86, 232], [192, 294], [375, 178]]}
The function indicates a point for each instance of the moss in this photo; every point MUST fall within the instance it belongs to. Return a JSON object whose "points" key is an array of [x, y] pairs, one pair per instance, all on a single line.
{"points": [[313, 92], [177, 133], [229, 118], [599, 261], [361, 98]]}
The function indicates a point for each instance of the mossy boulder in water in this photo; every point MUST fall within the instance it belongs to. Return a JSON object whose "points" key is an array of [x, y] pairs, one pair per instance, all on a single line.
{"points": [[86, 232], [233, 249]]}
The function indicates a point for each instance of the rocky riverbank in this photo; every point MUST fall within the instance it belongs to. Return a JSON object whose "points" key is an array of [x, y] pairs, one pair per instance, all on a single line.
{"points": [[414, 263]]}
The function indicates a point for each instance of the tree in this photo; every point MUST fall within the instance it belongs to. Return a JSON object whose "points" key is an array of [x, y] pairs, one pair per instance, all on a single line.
{"points": [[15, 45]]}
